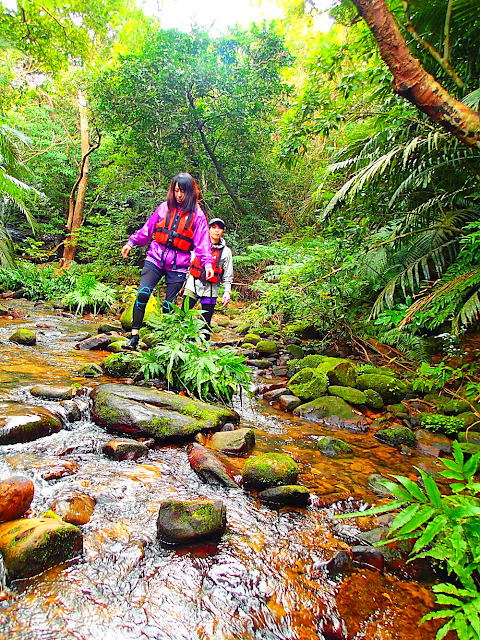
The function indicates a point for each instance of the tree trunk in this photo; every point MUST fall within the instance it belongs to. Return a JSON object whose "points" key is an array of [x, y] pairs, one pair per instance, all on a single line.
{"points": [[216, 162], [76, 204], [411, 81]]}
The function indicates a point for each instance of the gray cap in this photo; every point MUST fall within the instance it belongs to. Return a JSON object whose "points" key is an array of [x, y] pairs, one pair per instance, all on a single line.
{"points": [[218, 221]]}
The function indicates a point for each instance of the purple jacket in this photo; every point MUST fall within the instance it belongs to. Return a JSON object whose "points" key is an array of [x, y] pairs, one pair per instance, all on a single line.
{"points": [[165, 258]]}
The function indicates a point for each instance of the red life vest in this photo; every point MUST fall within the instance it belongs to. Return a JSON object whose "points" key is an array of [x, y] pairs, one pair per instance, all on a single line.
{"points": [[176, 231], [197, 271]]}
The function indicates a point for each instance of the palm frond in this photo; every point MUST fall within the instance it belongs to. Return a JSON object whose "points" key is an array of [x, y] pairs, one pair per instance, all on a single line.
{"points": [[472, 100]]}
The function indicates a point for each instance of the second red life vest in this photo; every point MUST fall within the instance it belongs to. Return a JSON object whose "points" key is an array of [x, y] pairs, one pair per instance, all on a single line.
{"points": [[176, 231], [197, 271]]}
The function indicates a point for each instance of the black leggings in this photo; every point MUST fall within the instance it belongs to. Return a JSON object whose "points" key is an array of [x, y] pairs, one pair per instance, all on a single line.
{"points": [[207, 310], [149, 279]]}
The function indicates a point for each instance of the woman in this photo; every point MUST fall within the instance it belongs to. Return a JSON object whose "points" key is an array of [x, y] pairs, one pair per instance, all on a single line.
{"points": [[177, 227], [200, 287]]}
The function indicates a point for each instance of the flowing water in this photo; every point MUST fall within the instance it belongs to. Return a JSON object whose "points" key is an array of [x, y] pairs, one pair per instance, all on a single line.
{"points": [[263, 580]]}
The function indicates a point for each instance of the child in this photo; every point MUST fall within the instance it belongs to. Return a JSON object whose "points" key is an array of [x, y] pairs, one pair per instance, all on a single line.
{"points": [[177, 226], [204, 287]]}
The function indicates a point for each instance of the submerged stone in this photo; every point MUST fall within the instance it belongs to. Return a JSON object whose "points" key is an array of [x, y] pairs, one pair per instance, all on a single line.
{"points": [[334, 447], [333, 411], [269, 470], [75, 508], [32, 545], [185, 522]]}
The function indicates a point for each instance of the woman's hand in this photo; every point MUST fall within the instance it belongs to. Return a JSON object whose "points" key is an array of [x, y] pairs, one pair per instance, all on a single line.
{"points": [[125, 250], [225, 299], [208, 273]]}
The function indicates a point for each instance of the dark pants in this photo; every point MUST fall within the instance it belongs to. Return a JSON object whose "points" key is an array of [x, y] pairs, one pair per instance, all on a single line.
{"points": [[207, 310], [149, 279]]}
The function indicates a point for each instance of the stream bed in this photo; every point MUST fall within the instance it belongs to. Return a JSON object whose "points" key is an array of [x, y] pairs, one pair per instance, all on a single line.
{"points": [[265, 579]]}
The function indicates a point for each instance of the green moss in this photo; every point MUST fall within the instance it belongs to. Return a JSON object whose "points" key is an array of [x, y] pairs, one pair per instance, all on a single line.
{"points": [[266, 347], [122, 365], [349, 394], [392, 390], [308, 384], [333, 447], [395, 436], [161, 427], [251, 338]]}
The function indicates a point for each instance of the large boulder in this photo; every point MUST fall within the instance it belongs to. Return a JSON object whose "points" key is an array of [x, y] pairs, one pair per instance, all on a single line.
{"points": [[349, 394], [183, 522], [308, 384], [391, 389], [332, 411], [24, 423], [208, 467], [132, 410], [127, 316], [16, 494], [33, 545], [340, 371], [269, 470]]}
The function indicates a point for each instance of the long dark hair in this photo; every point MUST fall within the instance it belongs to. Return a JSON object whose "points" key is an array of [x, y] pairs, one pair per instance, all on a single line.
{"points": [[187, 183]]}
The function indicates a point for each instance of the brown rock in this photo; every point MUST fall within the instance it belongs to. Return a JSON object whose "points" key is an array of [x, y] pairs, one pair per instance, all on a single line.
{"points": [[75, 509], [16, 494]]}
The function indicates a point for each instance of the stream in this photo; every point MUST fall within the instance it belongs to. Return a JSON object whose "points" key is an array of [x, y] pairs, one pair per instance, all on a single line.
{"points": [[265, 579]]}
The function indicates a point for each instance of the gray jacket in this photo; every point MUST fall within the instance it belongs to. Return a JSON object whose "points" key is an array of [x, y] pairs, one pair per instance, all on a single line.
{"points": [[194, 287]]}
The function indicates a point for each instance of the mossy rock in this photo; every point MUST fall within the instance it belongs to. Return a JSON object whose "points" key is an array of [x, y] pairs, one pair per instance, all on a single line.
{"points": [[122, 365], [25, 423], [392, 390], [332, 411], [471, 437], [183, 522], [310, 362], [334, 447], [234, 443], [295, 350], [308, 384], [251, 338], [91, 370], [305, 331], [248, 346], [340, 371], [396, 436], [117, 346], [293, 495], [449, 425], [448, 406], [373, 400], [127, 316], [349, 394], [269, 470], [32, 545], [380, 371], [244, 328], [108, 327], [24, 336], [266, 348], [470, 418]]}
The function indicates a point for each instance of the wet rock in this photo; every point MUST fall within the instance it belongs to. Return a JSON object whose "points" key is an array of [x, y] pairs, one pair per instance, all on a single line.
{"points": [[208, 467], [340, 372], [124, 449], [24, 336], [293, 495], [182, 522], [95, 343], [32, 545], [52, 392], [136, 410], [75, 508], [308, 384], [295, 350], [109, 327], [289, 402], [339, 565], [127, 315], [333, 411], [24, 423], [269, 470], [79, 337], [334, 448], [395, 436], [259, 364], [54, 468], [280, 371], [374, 484], [91, 370], [368, 557], [349, 394], [228, 426], [16, 494], [72, 411], [117, 346], [233, 443], [391, 390], [432, 444], [274, 394]]}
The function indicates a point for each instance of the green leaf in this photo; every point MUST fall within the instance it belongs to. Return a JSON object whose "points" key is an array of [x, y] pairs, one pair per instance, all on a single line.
{"points": [[431, 531], [413, 489], [424, 514], [432, 490], [403, 517]]}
